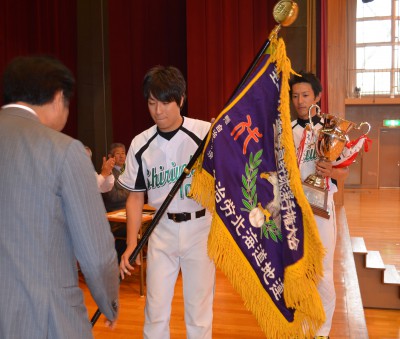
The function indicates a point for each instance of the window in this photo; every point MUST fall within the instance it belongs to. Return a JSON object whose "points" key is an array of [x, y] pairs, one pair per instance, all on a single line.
{"points": [[375, 56]]}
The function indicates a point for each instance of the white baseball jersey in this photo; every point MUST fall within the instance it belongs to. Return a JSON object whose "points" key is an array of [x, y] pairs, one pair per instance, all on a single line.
{"points": [[307, 156], [154, 164]]}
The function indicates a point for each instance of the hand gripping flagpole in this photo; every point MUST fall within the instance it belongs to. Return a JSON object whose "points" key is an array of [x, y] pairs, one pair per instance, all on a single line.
{"points": [[285, 13]]}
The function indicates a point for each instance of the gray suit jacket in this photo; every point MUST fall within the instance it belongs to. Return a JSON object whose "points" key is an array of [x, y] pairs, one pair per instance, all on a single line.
{"points": [[51, 215]]}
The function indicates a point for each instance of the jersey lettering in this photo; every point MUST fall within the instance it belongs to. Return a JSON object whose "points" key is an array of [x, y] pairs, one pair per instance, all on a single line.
{"points": [[311, 155], [157, 179], [184, 191]]}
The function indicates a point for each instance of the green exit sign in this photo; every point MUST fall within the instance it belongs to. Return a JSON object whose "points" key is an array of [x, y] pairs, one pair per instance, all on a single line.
{"points": [[391, 123]]}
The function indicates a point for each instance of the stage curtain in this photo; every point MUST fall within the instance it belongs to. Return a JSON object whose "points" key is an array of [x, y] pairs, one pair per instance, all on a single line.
{"points": [[223, 37], [142, 34], [40, 27]]}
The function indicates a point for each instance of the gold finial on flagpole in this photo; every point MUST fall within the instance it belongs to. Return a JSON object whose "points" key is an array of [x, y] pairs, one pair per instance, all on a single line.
{"points": [[285, 13]]}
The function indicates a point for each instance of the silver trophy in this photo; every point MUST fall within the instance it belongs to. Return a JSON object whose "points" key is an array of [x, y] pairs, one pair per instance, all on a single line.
{"points": [[330, 142]]}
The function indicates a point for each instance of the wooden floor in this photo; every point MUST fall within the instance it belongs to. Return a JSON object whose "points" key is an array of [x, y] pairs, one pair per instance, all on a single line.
{"points": [[372, 214]]}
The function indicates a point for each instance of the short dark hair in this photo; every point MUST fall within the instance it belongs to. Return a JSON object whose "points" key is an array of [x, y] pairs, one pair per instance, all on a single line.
{"points": [[36, 79], [309, 78], [115, 145], [165, 83]]}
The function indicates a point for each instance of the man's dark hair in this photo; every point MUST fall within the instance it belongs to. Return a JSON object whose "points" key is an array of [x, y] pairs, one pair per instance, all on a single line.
{"points": [[309, 78], [165, 84], [35, 80]]}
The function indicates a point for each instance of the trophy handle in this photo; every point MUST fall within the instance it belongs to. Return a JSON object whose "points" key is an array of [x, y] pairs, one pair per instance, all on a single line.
{"points": [[362, 124], [309, 113]]}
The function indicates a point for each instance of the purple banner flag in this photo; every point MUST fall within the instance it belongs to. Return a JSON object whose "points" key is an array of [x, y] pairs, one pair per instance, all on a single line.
{"points": [[263, 235]]}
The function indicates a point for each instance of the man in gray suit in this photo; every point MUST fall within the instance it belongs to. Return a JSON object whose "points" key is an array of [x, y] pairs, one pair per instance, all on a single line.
{"points": [[51, 213]]}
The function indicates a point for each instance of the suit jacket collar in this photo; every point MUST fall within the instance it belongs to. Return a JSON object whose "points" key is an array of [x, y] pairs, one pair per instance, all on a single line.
{"points": [[19, 111]]}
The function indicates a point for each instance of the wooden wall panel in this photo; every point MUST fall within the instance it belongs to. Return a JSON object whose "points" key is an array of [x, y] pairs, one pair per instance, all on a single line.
{"points": [[337, 64], [337, 55]]}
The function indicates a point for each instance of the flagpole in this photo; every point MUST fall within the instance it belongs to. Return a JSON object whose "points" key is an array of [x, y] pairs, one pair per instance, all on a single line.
{"points": [[285, 13], [256, 60]]}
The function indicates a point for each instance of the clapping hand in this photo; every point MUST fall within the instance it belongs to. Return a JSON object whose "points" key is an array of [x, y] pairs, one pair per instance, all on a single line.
{"points": [[107, 166]]}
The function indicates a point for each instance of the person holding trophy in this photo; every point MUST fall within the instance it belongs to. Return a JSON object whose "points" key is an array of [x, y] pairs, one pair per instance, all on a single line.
{"points": [[305, 92]]}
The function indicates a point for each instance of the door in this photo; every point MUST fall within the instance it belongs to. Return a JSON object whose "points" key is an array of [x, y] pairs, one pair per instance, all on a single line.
{"points": [[389, 157]]}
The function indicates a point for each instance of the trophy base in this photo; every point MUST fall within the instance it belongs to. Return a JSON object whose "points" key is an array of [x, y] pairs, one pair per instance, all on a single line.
{"points": [[316, 181], [318, 199]]}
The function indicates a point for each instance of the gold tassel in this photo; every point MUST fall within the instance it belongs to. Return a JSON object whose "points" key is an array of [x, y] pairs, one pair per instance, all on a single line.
{"points": [[300, 294], [229, 258], [202, 188]]}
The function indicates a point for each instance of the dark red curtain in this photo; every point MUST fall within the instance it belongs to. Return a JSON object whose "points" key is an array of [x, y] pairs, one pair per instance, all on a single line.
{"points": [[142, 34], [213, 42], [40, 27], [223, 38]]}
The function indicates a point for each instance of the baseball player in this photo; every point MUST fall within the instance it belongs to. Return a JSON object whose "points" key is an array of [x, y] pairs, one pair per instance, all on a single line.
{"points": [[155, 160], [305, 91]]}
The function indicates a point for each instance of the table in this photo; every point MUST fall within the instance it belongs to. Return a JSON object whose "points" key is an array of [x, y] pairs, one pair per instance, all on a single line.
{"points": [[120, 215], [147, 216]]}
